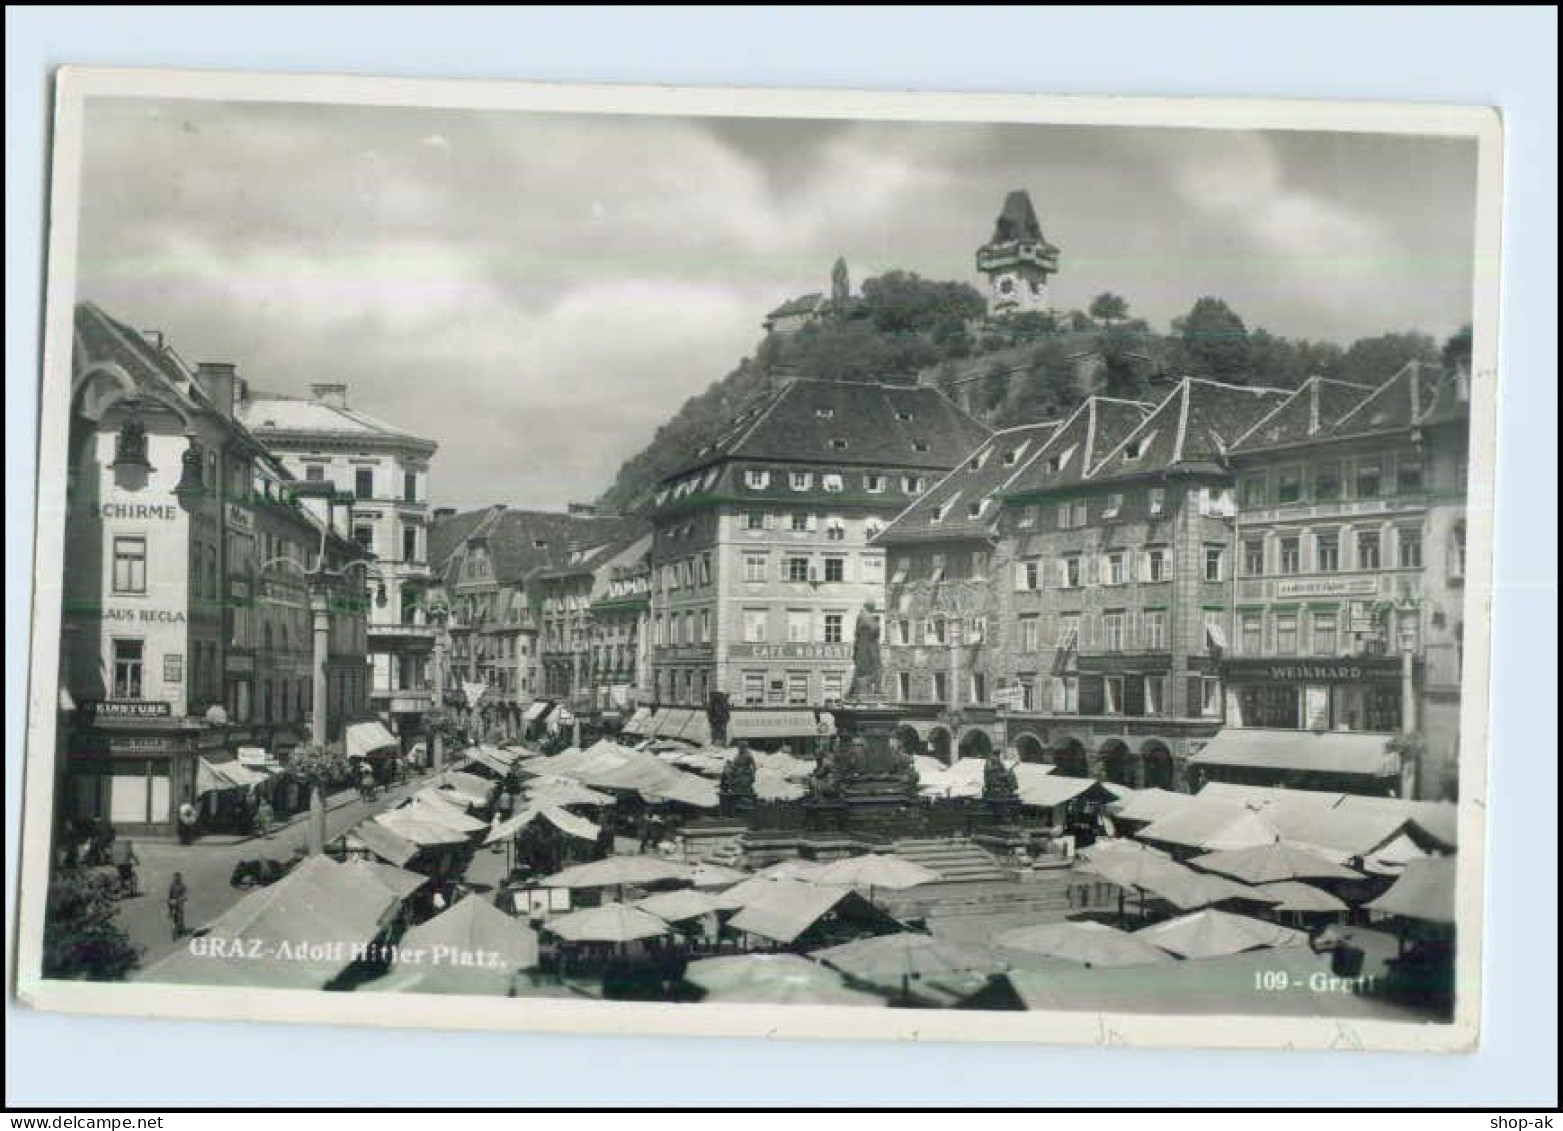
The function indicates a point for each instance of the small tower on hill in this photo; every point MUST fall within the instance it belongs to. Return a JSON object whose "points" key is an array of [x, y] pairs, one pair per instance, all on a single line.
{"points": [[1017, 260]]}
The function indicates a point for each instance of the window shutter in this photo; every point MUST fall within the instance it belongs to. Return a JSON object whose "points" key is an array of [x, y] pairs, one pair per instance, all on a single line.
{"points": [[1020, 576], [1058, 695], [812, 522]]}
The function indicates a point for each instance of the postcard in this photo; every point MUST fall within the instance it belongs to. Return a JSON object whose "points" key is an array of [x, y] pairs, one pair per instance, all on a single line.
{"points": [[763, 562]]}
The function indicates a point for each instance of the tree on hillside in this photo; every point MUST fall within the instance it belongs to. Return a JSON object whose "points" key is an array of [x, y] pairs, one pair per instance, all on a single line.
{"points": [[1030, 325], [1214, 342], [1372, 361], [1125, 361], [1457, 350], [900, 301], [1109, 308], [995, 387], [1049, 390]]}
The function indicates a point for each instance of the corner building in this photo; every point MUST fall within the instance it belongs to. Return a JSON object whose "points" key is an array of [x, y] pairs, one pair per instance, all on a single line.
{"points": [[761, 553]]}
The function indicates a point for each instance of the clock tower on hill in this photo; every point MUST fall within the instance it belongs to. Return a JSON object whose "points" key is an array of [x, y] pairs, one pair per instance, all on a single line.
{"points": [[1017, 260]]}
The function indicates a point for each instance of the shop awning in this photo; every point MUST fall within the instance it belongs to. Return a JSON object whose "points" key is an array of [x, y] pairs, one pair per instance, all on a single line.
{"points": [[774, 724], [214, 777], [638, 722], [669, 721], [536, 710], [364, 739], [389, 846], [1286, 751]]}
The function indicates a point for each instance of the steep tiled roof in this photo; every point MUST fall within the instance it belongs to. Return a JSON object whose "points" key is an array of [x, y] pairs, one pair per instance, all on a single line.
{"points": [[1097, 426], [1017, 220], [1398, 403], [270, 413], [596, 543], [803, 304], [1317, 404], [1195, 425], [1451, 402], [945, 512], [849, 423], [448, 532]]}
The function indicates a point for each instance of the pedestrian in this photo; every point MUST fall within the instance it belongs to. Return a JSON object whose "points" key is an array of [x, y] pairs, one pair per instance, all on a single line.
{"points": [[125, 861], [187, 820], [263, 817], [176, 905]]}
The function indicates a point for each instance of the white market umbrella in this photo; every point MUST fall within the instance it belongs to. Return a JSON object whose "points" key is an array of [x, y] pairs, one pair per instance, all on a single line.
{"points": [[875, 870], [1094, 944], [611, 923], [1273, 863], [1210, 933], [617, 871]]}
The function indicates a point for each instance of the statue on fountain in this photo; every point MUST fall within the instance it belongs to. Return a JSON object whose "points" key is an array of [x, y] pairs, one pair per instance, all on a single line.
{"points": [[866, 670], [998, 781]]}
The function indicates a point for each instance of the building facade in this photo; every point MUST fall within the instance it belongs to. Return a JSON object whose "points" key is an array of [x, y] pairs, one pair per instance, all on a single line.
{"points": [[762, 556], [182, 638], [321, 439], [595, 610]]}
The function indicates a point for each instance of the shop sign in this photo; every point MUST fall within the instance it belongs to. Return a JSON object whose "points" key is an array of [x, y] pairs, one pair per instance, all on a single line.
{"points": [[842, 652], [1353, 670], [239, 517], [1327, 587], [173, 668], [167, 512], [145, 616], [127, 709]]}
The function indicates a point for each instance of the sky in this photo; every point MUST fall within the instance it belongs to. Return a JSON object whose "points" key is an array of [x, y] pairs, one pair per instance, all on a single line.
{"points": [[539, 292]]}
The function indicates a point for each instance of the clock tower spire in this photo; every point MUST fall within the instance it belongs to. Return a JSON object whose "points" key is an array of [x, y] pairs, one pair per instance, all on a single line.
{"points": [[1017, 260]]}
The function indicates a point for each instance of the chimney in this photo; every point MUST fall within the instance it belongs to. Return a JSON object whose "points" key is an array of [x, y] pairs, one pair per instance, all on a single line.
{"points": [[333, 395], [443, 513], [220, 382]]}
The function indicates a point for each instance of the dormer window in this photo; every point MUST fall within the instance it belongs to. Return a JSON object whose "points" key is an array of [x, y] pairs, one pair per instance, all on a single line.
{"points": [[539, 543], [919, 445], [825, 413], [757, 480], [1012, 457], [838, 444], [943, 508], [912, 484], [1113, 507], [975, 509], [874, 484], [831, 481], [976, 461], [801, 480], [903, 415], [1135, 448]]}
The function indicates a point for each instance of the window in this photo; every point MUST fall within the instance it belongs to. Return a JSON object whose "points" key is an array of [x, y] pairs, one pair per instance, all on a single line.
{"points": [[1028, 518], [873, 568], [797, 688], [314, 473], [1069, 573], [1326, 552], [1135, 448], [979, 687], [363, 482], [1457, 552], [1028, 634], [941, 687], [1066, 695], [705, 626], [1079, 517], [833, 622], [410, 486], [1063, 516], [936, 569], [798, 626], [1155, 630], [1252, 625], [835, 530], [1370, 478], [1068, 631], [409, 543], [799, 522], [705, 569], [1112, 632], [919, 445], [1217, 502], [903, 415], [1112, 695], [1210, 697], [757, 480], [874, 484], [797, 569], [1409, 540], [1368, 549], [1155, 694], [1028, 691], [128, 659], [801, 480], [1116, 573], [835, 569], [1215, 563], [834, 684], [1286, 634], [832, 482], [975, 509], [1158, 502], [1326, 482], [912, 484], [1288, 486], [1253, 556], [1408, 474], [1253, 491], [1114, 506], [754, 520], [130, 565], [1291, 555], [364, 536], [1028, 575], [754, 567], [1156, 565], [1324, 634], [825, 413], [936, 632], [903, 687], [838, 444], [754, 626]]}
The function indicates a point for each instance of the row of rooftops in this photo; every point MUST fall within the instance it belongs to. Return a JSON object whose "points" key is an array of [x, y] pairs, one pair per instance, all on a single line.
{"points": [[1201, 427], [532, 545]]}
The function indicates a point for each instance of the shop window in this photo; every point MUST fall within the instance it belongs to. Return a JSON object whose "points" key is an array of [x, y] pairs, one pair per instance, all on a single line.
{"points": [[1269, 707], [797, 688]]}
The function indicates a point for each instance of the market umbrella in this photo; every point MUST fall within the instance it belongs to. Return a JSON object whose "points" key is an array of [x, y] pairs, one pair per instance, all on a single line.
{"points": [[1272, 863], [791, 870], [448, 947], [1424, 891], [678, 906], [1187, 889], [612, 922], [566, 822], [1208, 933], [707, 875], [1095, 944], [899, 959], [617, 871], [1126, 864], [875, 870], [565, 792], [1298, 896], [773, 979]]}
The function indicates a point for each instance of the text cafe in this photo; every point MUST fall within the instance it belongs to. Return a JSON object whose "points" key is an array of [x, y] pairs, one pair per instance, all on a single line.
{"points": [[1335, 693]]}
